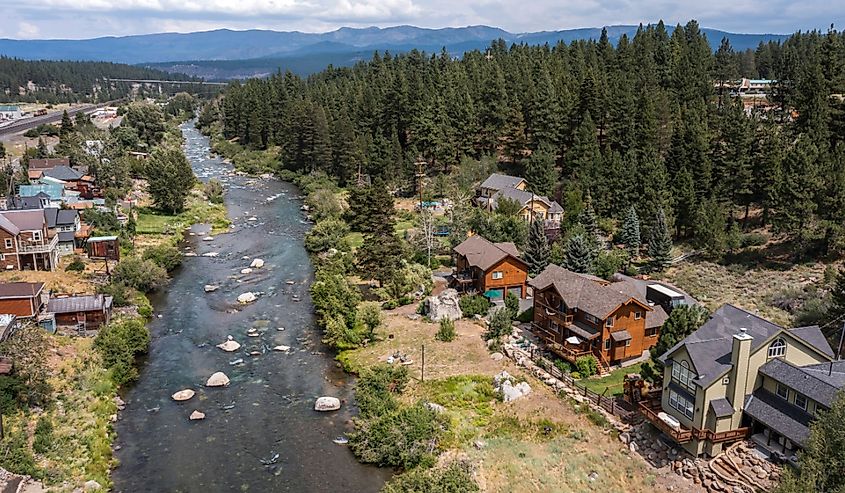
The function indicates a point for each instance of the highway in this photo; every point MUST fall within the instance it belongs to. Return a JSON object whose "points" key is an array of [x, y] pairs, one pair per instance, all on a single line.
{"points": [[25, 124]]}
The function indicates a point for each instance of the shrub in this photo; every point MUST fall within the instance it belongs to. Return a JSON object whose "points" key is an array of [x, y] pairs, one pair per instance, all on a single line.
{"points": [[500, 325], [563, 366], [15, 455], [587, 366], [377, 386], [754, 239], [43, 435], [122, 295], [165, 256], [474, 305], [324, 204], [609, 262], [446, 333], [526, 316], [12, 394], [76, 265], [454, 478], [370, 317], [512, 304], [213, 190], [141, 274], [119, 342], [327, 234]]}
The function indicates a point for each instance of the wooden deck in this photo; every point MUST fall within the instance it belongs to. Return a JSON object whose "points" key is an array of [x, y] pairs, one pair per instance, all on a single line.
{"points": [[650, 409]]}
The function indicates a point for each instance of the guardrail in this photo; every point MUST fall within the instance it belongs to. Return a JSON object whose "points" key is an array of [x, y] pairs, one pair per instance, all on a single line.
{"points": [[41, 247]]}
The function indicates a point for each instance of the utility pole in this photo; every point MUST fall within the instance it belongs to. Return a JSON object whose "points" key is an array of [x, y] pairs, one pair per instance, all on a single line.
{"points": [[422, 371]]}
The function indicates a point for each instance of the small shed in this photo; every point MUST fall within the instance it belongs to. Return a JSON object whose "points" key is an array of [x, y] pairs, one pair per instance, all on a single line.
{"points": [[103, 248], [87, 312]]}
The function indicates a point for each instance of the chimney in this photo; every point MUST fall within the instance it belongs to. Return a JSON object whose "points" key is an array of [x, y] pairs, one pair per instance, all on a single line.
{"points": [[739, 378]]}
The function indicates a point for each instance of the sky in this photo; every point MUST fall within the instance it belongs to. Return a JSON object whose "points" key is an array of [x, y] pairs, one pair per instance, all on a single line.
{"points": [[79, 19]]}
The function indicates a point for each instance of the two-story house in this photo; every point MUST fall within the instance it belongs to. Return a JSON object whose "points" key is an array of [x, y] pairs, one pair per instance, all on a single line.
{"points": [[496, 182], [64, 223], [578, 315], [491, 269], [533, 207], [740, 374], [25, 242]]}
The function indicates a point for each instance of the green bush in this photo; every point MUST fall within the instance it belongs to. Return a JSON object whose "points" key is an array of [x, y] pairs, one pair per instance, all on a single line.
{"points": [[76, 265], [454, 478], [587, 365], [15, 455], [446, 333], [327, 234], [754, 239], [526, 316], [512, 305], [122, 295], [165, 256], [213, 190], [405, 438], [12, 394], [140, 274], [563, 366], [377, 386], [474, 305], [43, 435], [500, 325], [119, 342]]}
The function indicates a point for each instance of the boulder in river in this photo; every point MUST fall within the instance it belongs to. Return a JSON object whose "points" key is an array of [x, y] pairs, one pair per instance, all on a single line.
{"points": [[282, 348], [246, 271], [211, 254], [196, 415], [219, 379], [257, 263], [247, 297], [230, 345], [327, 404], [210, 288], [183, 395]]}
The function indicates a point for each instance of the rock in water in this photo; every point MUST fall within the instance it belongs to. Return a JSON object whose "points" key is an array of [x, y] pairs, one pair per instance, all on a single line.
{"points": [[210, 288], [219, 379], [229, 346], [183, 395], [282, 348], [257, 263], [196, 415], [247, 297], [327, 404], [246, 271], [211, 254], [444, 306]]}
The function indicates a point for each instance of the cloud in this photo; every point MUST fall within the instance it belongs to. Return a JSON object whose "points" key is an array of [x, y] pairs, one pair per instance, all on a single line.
{"points": [[88, 18]]}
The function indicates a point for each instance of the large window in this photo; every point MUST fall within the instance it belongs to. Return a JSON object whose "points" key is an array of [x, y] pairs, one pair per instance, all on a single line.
{"points": [[783, 391], [651, 332], [681, 403], [683, 375], [498, 275], [801, 401], [591, 319], [777, 348]]}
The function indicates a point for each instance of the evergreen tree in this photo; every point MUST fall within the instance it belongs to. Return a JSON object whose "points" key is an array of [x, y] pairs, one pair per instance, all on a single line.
{"points": [[580, 255], [380, 256], [660, 243], [683, 321], [837, 298], [630, 233], [169, 179], [67, 124], [796, 192], [2, 151], [42, 151], [540, 172], [536, 253], [587, 219]]}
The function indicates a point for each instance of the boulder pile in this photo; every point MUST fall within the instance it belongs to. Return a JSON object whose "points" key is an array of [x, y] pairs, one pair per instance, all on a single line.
{"points": [[503, 382], [444, 306]]}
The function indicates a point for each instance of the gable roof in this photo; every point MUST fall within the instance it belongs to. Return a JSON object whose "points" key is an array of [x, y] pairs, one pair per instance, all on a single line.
{"points": [[637, 288], [584, 292], [9, 226], [20, 289], [59, 217], [524, 198], [498, 181], [710, 346], [484, 254], [25, 219], [65, 173], [813, 383], [48, 163]]}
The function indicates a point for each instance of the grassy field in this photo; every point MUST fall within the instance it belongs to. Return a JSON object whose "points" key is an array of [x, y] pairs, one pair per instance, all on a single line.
{"points": [[612, 382], [197, 211]]}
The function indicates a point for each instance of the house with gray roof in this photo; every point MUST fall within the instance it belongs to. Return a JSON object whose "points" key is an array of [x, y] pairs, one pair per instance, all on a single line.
{"points": [[491, 269], [83, 312], [740, 375], [25, 243], [579, 315], [64, 223], [497, 188]]}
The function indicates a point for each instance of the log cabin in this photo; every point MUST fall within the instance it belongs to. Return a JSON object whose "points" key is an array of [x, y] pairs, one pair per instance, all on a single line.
{"points": [[491, 269]]}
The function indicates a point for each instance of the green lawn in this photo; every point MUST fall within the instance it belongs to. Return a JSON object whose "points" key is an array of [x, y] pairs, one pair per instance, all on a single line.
{"points": [[612, 382], [153, 223]]}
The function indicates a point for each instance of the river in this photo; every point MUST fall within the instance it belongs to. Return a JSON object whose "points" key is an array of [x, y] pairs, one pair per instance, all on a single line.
{"points": [[272, 394]]}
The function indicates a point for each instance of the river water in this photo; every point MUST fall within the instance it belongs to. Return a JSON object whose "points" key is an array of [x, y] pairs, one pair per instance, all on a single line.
{"points": [[268, 407]]}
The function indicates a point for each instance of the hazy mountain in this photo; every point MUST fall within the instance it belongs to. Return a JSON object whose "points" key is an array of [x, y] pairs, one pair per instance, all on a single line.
{"points": [[266, 51]]}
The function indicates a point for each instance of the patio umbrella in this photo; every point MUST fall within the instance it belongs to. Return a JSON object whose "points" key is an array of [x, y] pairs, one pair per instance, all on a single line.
{"points": [[573, 340]]}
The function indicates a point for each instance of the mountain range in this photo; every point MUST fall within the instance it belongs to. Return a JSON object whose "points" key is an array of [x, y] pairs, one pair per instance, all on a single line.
{"points": [[225, 53]]}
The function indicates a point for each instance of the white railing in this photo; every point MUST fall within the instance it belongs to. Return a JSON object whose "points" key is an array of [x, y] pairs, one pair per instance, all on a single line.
{"points": [[39, 247]]}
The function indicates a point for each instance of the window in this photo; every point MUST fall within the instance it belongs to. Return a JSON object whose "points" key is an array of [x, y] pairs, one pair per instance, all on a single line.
{"points": [[498, 274], [801, 401], [36, 236], [638, 315], [607, 344], [783, 391], [8, 243], [651, 332], [682, 375], [680, 403], [590, 318], [628, 343], [609, 322], [777, 348]]}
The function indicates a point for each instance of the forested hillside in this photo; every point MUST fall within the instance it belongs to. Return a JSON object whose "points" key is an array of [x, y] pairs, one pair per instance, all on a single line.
{"points": [[51, 82], [638, 124]]}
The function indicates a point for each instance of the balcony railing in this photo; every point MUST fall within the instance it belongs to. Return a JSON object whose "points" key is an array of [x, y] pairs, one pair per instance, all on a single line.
{"points": [[39, 247], [650, 409]]}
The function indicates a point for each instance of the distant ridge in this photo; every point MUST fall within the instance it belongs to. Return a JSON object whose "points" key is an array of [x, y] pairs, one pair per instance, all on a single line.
{"points": [[341, 47]]}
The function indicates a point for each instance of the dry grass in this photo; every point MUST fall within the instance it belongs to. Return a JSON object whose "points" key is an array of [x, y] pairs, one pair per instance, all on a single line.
{"points": [[714, 285], [60, 281]]}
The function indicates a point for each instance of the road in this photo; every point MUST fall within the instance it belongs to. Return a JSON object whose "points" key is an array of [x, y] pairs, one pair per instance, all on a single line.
{"points": [[27, 123]]}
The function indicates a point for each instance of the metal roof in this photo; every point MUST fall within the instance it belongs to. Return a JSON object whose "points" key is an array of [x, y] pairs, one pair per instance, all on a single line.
{"points": [[25, 219], [101, 238], [667, 291], [65, 173], [73, 304]]}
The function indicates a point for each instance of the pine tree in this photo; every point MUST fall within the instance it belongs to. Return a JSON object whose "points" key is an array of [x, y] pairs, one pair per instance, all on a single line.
{"points": [[537, 252], [796, 191], [587, 219], [580, 255], [630, 233], [660, 243], [42, 151], [67, 124], [540, 172], [837, 298], [380, 256]]}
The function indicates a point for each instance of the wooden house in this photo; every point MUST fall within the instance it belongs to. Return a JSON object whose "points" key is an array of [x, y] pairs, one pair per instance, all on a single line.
{"points": [[87, 312], [579, 315], [491, 269], [22, 299], [25, 242], [103, 247]]}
